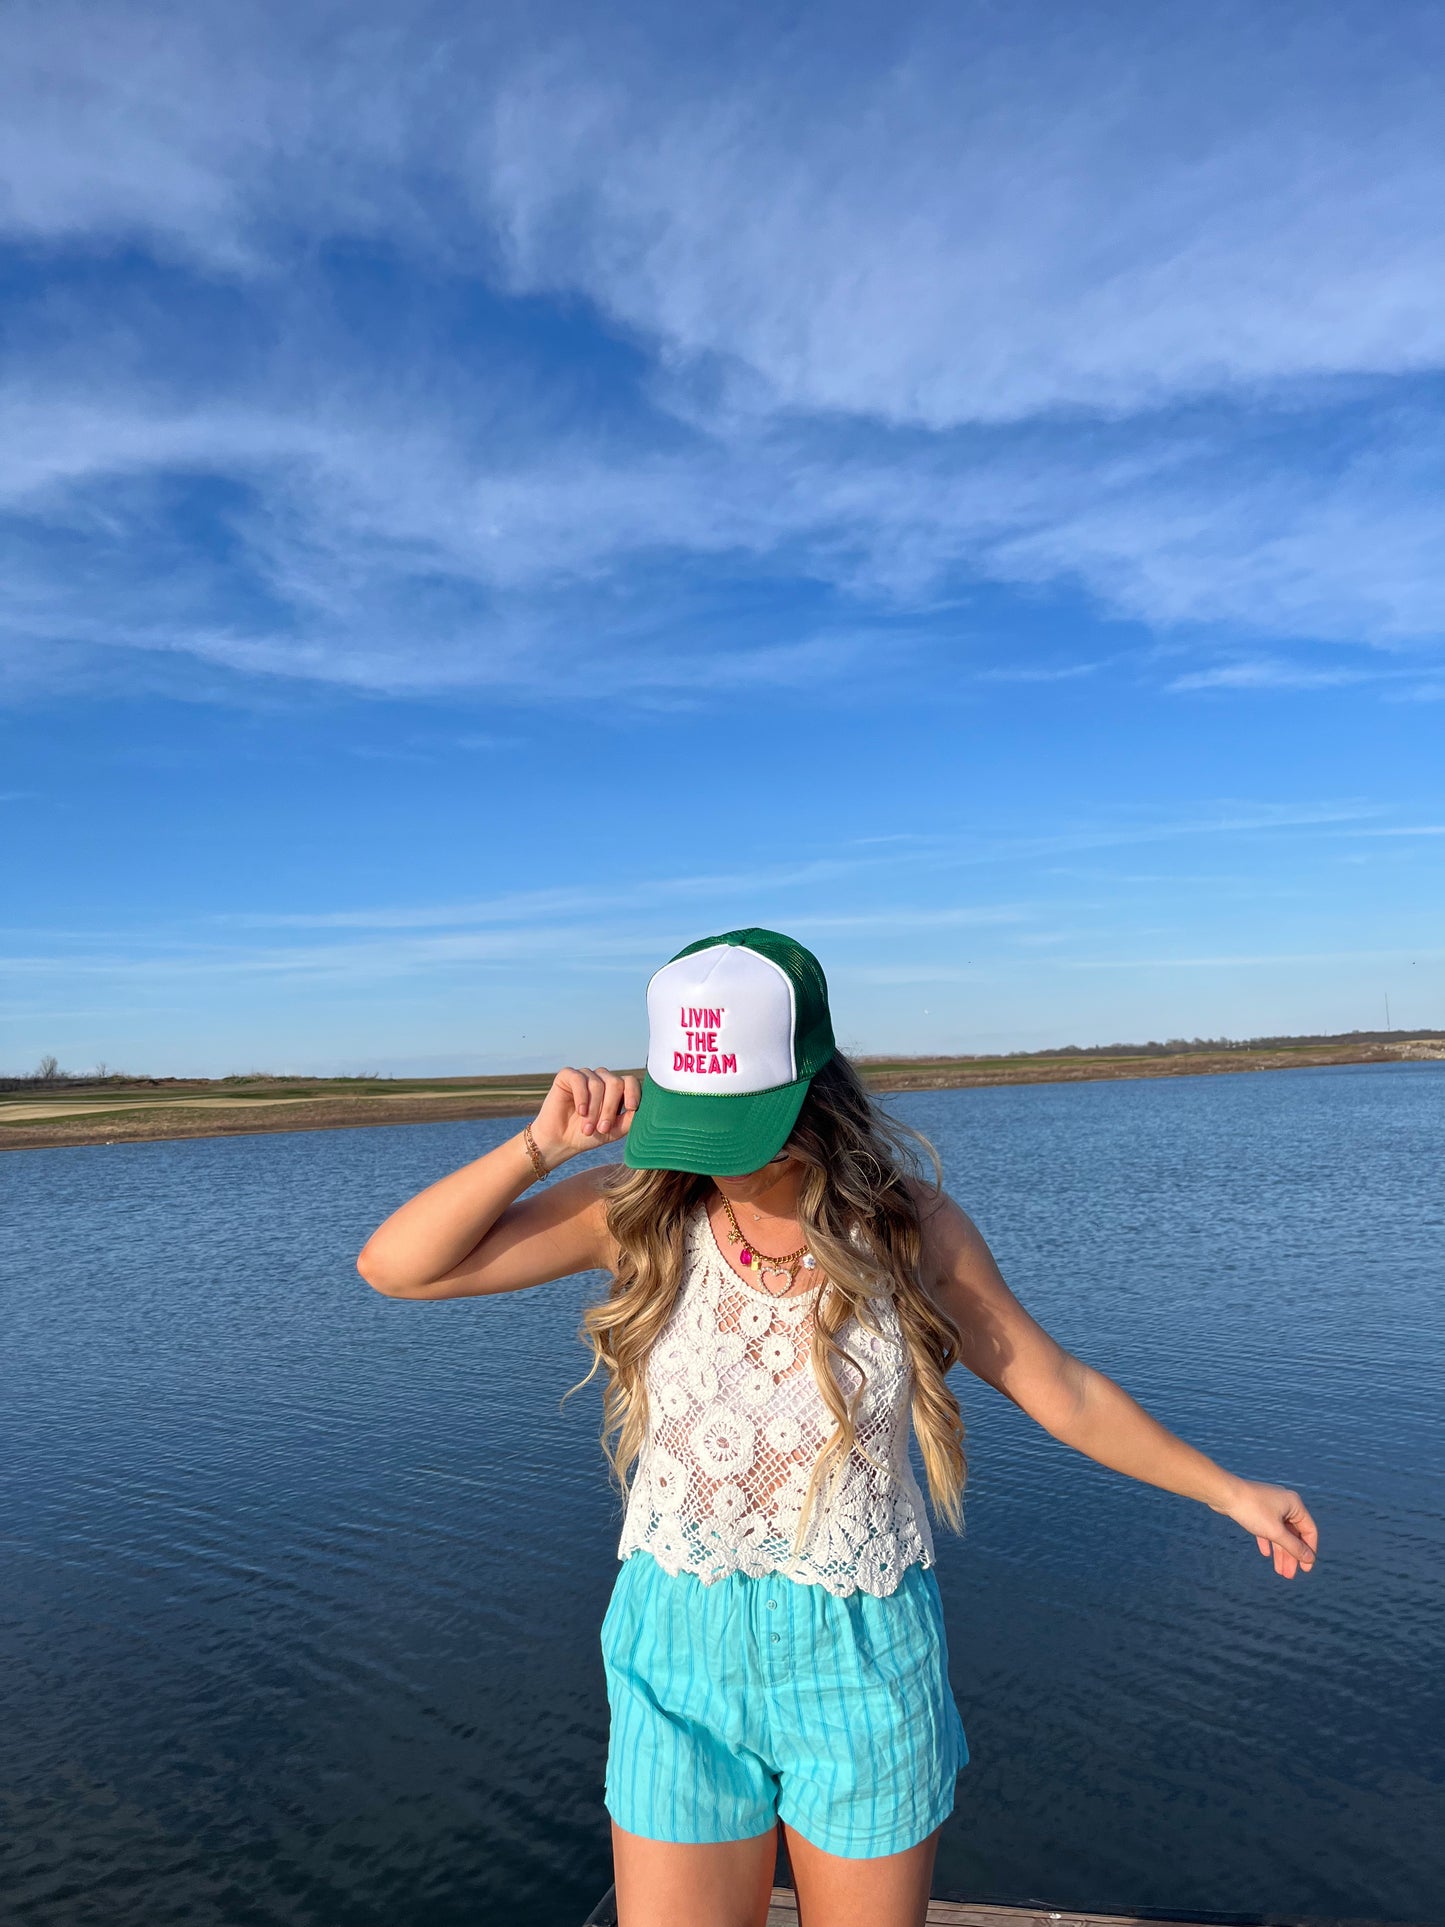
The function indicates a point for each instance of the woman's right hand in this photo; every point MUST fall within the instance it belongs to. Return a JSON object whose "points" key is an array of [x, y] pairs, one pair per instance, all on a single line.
{"points": [[583, 1110], [473, 1233]]}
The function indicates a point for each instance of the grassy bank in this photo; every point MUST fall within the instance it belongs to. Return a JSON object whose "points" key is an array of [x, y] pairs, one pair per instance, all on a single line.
{"points": [[59, 1110]]}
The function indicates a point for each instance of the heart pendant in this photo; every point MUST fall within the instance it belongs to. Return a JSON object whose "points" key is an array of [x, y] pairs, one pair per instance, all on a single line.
{"points": [[775, 1271]]}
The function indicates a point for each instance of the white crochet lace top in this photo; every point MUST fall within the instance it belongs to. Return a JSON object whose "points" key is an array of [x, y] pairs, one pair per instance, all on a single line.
{"points": [[735, 1423]]}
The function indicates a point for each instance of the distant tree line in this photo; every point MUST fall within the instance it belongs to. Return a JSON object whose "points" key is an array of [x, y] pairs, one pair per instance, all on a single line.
{"points": [[48, 1072], [48, 1075], [1179, 1046], [1169, 1047]]}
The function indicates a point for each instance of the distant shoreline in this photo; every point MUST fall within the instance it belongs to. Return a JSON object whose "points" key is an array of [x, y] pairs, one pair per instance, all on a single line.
{"points": [[72, 1111]]}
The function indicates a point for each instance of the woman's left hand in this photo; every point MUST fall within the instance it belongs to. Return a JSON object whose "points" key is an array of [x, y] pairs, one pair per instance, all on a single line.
{"points": [[1281, 1524]]}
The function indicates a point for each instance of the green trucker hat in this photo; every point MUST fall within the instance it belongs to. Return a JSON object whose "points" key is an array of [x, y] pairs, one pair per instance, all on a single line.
{"points": [[738, 1027]]}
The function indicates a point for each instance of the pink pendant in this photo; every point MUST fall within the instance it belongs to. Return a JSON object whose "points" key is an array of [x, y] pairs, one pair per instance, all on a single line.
{"points": [[745, 1256]]}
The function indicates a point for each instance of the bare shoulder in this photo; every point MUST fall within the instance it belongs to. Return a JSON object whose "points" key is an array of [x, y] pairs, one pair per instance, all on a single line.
{"points": [[999, 1341], [950, 1236]]}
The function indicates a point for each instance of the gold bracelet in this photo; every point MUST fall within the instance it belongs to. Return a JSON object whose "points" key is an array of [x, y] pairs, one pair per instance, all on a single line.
{"points": [[539, 1163]]}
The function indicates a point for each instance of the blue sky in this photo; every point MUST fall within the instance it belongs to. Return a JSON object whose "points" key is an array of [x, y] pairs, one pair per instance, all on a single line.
{"points": [[488, 496]]}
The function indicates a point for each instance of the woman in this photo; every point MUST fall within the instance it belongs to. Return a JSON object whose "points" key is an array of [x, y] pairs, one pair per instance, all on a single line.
{"points": [[787, 1292]]}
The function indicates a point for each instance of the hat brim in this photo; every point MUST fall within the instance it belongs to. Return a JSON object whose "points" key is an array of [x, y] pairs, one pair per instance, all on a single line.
{"points": [[716, 1137]]}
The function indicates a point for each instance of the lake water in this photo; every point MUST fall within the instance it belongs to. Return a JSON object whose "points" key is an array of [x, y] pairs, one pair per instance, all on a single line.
{"points": [[302, 1586]]}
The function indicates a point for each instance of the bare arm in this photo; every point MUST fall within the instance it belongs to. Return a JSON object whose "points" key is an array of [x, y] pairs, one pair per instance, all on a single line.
{"points": [[1009, 1350], [474, 1232]]}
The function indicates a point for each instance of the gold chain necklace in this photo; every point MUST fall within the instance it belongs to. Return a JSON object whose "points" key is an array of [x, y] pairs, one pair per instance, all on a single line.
{"points": [[750, 1256]]}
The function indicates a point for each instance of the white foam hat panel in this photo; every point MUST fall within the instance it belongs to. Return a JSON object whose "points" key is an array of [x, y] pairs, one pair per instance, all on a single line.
{"points": [[721, 1021]]}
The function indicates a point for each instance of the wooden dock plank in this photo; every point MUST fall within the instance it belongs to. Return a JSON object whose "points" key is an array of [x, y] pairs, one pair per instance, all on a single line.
{"points": [[783, 1912]]}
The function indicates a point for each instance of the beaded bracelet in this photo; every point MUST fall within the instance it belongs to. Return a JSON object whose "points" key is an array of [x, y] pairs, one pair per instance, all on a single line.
{"points": [[539, 1163]]}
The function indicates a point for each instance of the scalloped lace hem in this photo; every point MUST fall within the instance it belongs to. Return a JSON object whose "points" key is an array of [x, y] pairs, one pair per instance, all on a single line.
{"points": [[879, 1580]]}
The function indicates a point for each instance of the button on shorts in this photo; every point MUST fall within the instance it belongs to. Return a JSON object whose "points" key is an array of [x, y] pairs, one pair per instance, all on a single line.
{"points": [[757, 1699]]}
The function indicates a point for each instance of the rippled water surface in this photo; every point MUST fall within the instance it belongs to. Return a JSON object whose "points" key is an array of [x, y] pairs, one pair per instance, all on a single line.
{"points": [[302, 1586]]}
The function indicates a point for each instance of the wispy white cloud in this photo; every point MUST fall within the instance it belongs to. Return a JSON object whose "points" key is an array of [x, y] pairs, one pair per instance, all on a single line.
{"points": [[1227, 961], [357, 961], [901, 975], [1224, 821], [1001, 219], [1405, 829], [532, 906], [936, 852], [1039, 673], [398, 564], [583, 929], [1137, 314], [949, 218], [1264, 672], [960, 917], [604, 940]]}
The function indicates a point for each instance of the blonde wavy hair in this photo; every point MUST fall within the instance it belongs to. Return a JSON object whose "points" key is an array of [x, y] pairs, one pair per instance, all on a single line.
{"points": [[860, 1216]]}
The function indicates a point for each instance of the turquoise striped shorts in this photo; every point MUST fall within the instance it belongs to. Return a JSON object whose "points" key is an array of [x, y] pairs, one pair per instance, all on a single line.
{"points": [[752, 1700]]}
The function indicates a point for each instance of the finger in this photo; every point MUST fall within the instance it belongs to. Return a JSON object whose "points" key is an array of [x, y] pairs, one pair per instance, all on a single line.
{"points": [[575, 1084], [1299, 1517], [631, 1098], [611, 1102], [1264, 1545], [1295, 1546], [1295, 1554], [596, 1091]]}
